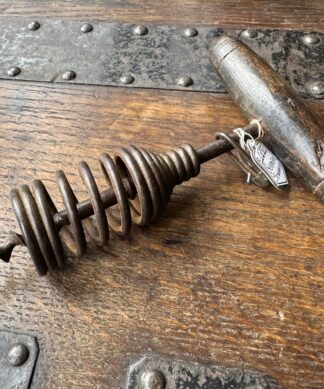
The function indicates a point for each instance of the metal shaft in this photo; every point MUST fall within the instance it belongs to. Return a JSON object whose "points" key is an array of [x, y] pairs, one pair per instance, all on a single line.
{"points": [[108, 197], [85, 210]]}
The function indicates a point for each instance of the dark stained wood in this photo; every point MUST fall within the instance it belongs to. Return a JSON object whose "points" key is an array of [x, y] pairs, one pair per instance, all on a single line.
{"points": [[287, 14], [231, 274]]}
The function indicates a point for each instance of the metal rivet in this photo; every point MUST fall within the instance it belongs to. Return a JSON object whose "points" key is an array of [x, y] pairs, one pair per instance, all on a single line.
{"points": [[140, 30], [69, 75], [311, 39], [18, 354], [251, 34], [185, 81], [14, 71], [316, 88], [153, 379], [87, 27], [191, 32], [33, 26], [128, 79]]}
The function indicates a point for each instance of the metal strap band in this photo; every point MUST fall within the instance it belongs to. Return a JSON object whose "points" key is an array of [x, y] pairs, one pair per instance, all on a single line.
{"points": [[150, 56], [18, 355], [162, 372]]}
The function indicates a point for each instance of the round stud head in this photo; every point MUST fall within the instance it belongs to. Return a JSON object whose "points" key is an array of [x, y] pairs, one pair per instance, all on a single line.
{"points": [[316, 88], [69, 75], [185, 81], [191, 32], [87, 27], [140, 30], [249, 34], [33, 26], [311, 39], [14, 71], [18, 354], [128, 79], [153, 379]]}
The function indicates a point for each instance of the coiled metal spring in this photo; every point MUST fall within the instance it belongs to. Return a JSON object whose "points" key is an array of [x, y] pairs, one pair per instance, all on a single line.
{"points": [[140, 182]]}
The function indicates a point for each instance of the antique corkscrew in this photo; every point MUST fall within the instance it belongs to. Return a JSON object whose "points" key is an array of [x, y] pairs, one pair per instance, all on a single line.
{"points": [[141, 182]]}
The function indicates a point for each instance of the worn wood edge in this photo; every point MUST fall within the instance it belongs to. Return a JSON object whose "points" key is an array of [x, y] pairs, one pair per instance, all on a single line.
{"points": [[263, 14], [21, 117]]}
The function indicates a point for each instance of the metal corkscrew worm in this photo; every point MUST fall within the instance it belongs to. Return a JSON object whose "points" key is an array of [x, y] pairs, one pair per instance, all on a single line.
{"points": [[140, 182]]}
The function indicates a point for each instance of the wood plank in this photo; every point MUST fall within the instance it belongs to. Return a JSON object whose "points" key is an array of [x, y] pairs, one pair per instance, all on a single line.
{"points": [[229, 274], [289, 14]]}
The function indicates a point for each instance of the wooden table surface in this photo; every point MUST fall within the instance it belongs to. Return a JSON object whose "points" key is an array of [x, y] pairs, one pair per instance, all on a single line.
{"points": [[230, 274]]}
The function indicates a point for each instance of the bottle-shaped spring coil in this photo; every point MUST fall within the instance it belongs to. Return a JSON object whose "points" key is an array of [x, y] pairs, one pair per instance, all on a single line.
{"points": [[139, 181]]}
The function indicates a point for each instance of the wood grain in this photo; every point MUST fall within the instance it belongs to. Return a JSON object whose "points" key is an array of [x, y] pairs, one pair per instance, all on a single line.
{"points": [[288, 14], [231, 274]]}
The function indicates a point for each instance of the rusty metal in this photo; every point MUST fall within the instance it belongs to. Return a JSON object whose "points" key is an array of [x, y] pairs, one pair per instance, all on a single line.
{"points": [[140, 182], [18, 356], [156, 372], [155, 56], [293, 132]]}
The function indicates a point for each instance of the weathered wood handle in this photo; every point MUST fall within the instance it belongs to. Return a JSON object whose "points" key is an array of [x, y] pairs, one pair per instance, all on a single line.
{"points": [[293, 132]]}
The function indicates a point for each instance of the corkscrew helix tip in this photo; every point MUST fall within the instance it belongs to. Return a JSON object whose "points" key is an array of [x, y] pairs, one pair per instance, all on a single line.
{"points": [[12, 240]]}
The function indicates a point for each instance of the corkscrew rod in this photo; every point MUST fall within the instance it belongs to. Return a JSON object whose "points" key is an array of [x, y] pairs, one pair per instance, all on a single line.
{"points": [[140, 182], [108, 197], [30, 208]]}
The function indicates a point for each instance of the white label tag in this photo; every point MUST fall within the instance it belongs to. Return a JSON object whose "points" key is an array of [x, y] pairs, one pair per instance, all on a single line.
{"points": [[269, 164]]}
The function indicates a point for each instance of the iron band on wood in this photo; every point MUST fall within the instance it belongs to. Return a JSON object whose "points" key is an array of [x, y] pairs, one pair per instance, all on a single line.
{"points": [[161, 373], [141, 182], [18, 355], [148, 56]]}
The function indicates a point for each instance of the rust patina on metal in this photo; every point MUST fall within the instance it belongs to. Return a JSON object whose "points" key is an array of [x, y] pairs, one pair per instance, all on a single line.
{"points": [[18, 355], [155, 372], [141, 182], [149, 56]]}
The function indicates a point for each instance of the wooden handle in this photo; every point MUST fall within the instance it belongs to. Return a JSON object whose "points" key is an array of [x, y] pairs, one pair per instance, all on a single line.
{"points": [[292, 130]]}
